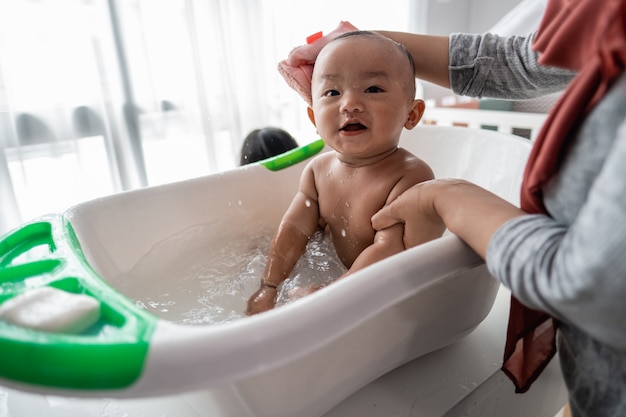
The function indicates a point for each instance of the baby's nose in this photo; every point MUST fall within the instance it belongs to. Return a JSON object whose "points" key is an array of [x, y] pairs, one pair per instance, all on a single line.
{"points": [[351, 102]]}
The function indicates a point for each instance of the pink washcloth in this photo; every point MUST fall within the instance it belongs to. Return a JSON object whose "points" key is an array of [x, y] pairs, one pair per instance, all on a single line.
{"points": [[297, 69]]}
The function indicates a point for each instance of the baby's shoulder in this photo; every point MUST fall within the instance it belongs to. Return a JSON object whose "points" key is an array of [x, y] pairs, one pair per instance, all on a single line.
{"points": [[321, 161], [413, 168], [408, 160], [404, 153]]}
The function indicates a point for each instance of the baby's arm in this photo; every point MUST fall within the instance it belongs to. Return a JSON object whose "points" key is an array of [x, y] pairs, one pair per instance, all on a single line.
{"points": [[299, 223], [387, 242]]}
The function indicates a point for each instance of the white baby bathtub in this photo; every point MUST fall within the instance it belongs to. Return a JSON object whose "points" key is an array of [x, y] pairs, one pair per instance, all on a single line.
{"points": [[297, 360]]}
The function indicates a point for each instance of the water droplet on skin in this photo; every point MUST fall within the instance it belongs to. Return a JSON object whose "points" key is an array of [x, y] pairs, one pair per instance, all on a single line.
{"points": [[307, 203], [343, 233], [347, 204]]}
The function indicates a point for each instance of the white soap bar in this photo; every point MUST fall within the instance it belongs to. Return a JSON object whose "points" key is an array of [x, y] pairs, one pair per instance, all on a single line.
{"points": [[51, 310]]}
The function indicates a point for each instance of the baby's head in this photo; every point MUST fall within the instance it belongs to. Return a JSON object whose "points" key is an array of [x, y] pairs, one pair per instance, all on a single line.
{"points": [[264, 143], [405, 59], [363, 90]]}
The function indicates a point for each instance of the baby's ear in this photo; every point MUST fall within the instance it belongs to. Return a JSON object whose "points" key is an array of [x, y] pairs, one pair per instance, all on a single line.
{"points": [[311, 114], [415, 114]]}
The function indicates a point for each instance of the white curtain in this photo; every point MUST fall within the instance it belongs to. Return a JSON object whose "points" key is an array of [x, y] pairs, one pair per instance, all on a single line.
{"points": [[522, 19], [101, 96]]}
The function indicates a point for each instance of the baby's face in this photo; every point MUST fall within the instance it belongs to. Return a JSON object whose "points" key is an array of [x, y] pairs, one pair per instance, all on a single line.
{"points": [[361, 96]]}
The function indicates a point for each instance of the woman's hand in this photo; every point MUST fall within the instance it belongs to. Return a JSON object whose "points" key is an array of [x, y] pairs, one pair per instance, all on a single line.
{"points": [[414, 209], [467, 210], [262, 300]]}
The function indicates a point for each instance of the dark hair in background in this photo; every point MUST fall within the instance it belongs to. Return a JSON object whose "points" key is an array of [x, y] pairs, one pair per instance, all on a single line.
{"points": [[264, 143]]}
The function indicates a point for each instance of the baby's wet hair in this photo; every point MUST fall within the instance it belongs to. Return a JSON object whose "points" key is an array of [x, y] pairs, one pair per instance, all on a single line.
{"points": [[400, 46]]}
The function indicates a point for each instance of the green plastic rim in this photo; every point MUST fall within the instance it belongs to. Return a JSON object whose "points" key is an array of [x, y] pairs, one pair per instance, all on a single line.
{"points": [[109, 355], [293, 156]]}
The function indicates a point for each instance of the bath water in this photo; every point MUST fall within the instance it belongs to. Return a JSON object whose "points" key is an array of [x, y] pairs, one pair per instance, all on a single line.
{"points": [[189, 279]]}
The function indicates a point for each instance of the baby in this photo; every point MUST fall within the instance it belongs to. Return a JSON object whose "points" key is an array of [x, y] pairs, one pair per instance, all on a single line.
{"points": [[363, 95]]}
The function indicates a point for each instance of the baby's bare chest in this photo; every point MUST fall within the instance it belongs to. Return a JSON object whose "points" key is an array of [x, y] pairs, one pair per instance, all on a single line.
{"points": [[347, 205]]}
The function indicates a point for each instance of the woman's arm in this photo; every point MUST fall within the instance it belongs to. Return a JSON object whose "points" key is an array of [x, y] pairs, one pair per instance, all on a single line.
{"points": [[505, 67], [430, 53], [483, 65], [572, 265], [467, 210]]}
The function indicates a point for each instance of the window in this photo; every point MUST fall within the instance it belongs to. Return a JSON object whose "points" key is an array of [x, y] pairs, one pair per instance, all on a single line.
{"points": [[100, 96]]}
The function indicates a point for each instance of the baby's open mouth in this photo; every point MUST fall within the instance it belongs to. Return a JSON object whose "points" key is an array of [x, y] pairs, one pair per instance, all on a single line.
{"points": [[353, 127]]}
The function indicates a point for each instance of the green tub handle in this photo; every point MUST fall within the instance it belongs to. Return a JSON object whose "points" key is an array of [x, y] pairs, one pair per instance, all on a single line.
{"points": [[293, 156], [109, 355]]}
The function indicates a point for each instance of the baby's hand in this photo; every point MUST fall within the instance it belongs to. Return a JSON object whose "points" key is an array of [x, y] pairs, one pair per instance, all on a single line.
{"points": [[262, 300]]}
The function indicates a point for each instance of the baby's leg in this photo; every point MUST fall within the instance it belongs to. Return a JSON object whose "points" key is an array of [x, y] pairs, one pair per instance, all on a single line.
{"points": [[299, 292]]}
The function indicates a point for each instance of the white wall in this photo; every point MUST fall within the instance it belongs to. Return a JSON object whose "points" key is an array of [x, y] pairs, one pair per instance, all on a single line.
{"points": [[448, 16], [485, 13]]}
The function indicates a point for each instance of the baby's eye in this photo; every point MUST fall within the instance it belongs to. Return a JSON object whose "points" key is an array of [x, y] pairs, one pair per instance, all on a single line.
{"points": [[374, 89], [330, 93]]}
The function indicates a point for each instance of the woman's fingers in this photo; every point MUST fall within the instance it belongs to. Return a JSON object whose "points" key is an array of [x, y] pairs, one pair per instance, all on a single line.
{"points": [[386, 217]]}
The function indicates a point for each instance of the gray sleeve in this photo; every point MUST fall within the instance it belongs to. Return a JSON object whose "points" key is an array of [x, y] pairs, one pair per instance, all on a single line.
{"points": [[577, 273], [488, 65]]}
